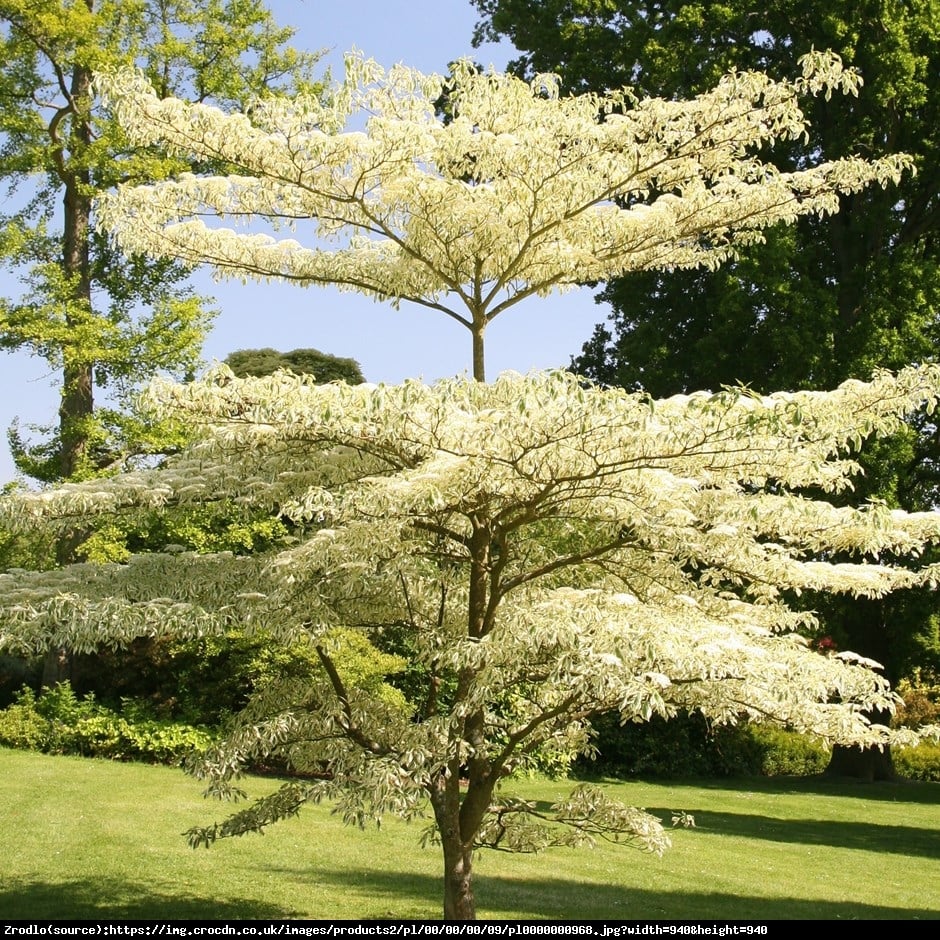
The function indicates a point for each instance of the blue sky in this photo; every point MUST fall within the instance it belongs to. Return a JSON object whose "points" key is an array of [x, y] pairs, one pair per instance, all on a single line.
{"points": [[390, 345]]}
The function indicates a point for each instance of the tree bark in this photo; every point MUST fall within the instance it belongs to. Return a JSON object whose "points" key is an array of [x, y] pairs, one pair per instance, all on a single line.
{"points": [[866, 625], [77, 404], [866, 764], [459, 902], [479, 357]]}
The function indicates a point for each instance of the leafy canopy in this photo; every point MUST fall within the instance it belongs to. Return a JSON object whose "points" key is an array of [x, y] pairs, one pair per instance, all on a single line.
{"points": [[519, 191], [555, 550], [544, 551]]}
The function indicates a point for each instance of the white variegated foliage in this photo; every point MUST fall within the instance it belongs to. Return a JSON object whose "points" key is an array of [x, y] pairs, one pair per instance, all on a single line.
{"points": [[551, 550], [520, 191]]}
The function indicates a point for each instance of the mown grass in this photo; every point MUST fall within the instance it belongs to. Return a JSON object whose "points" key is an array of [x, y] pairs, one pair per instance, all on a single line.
{"points": [[92, 839]]}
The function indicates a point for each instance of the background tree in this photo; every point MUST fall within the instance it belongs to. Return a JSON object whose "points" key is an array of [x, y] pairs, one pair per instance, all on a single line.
{"points": [[819, 302], [322, 366], [100, 318], [517, 192], [552, 552], [103, 319]]}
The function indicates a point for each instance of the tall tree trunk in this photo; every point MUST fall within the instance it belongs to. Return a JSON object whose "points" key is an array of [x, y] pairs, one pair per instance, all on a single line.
{"points": [[479, 357], [77, 403]]}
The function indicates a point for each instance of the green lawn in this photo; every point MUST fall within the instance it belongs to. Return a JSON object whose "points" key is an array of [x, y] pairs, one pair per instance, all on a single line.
{"points": [[94, 839]]}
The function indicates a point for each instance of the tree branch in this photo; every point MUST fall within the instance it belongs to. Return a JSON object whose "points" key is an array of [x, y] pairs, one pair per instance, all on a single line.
{"points": [[348, 724]]}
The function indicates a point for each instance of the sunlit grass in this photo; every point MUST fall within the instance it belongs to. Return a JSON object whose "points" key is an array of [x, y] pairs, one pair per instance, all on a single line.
{"points": [[93, 839]]}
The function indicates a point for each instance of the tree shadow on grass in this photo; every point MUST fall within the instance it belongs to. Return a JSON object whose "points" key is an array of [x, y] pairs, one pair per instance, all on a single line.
{"points": [[396, 895], [900, 791], [393, 894], [871, 837], [862, 836], [116, 899]]}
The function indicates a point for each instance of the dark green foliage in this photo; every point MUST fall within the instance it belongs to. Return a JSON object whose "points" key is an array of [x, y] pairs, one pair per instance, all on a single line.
{"points": [[15, 673], [158, 699], [425, 695], [593, 45], [785, 753], [207, 681], [323, 366], [201, 682], [687, 746], [413, 679], [684, 746]]}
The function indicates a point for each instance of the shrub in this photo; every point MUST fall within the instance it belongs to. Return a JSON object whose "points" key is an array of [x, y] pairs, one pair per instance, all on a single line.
{"points": [[786, 753], [688, 746], [918, 763], [920, 695], [199, 682], [97, 736], [164, 741], [59, 722], [684, 746], [21, 726]]}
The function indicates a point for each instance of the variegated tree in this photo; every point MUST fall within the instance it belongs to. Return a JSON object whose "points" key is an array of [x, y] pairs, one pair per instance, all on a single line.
{"points": [[545, 551], [542, 551], [517, 192]]}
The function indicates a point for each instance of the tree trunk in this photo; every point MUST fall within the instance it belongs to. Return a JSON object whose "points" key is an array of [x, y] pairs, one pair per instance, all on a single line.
{"points": [[866, 764], [479, 358], [459, 817], [77, 404], [868, 630], [57, 666], [459, 902]]}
